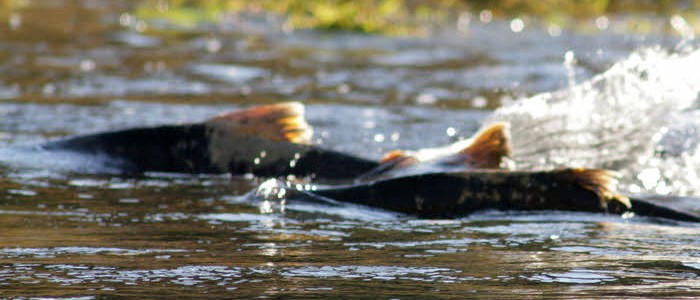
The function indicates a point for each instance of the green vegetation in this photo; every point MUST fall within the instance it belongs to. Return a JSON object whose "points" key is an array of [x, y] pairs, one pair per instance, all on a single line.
{"points": [[401, 16], [369, 16], [582, 8]]}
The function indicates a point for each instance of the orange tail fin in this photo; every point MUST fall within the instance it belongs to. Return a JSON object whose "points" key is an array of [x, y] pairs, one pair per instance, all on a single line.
{"points": [[276, 122], [489, 147]]}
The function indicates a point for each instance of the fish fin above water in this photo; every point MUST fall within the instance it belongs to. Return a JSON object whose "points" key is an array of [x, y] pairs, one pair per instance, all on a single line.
{"points": [[599, 181], [488, 148], [276, 122], [396, 159], [393, 155]]}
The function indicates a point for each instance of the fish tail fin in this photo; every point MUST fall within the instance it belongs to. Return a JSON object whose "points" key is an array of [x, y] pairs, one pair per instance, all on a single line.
{"points": [[277, 122], [599, 181], [489, 147]]}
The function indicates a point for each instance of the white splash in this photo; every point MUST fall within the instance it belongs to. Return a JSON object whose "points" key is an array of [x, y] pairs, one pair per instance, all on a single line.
{"points": [[620, 120]]}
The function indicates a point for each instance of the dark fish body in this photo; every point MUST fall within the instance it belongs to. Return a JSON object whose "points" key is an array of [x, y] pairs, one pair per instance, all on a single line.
{"points": [[189, 149], [664, 207], [439, 195], [270, 140], [170, 148], [446, 195]]}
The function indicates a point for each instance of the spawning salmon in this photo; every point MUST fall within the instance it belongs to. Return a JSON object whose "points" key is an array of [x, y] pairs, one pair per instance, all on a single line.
{"points": [[271, 140], [268, 140], [454, 194]]}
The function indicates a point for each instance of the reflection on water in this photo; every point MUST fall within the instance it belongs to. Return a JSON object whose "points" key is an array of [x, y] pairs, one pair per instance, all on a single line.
{"points": [[72, 228]]}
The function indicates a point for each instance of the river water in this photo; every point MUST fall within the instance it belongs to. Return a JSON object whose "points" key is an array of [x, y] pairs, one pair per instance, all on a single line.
{"points": [[603, 95]]}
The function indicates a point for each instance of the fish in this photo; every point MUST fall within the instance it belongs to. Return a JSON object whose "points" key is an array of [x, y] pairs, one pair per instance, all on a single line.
{"points": [[266, 140], [487, 149], [275, 140], [457, 194], [270, 141]]}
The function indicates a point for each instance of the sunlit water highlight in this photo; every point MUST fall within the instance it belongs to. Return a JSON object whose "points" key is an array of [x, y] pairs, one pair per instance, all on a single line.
{"points": [[635, 118], [72, 228]]}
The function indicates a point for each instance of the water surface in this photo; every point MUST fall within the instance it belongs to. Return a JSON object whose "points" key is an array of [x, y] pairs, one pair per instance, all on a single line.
{"points": [[75, 229]]}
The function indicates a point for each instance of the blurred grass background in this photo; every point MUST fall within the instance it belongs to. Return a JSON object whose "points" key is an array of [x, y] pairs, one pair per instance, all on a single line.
{"points": [[397, 17]]}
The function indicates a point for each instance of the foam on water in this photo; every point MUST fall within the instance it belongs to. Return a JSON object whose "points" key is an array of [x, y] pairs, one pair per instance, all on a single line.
{"points": [[622, 119]]}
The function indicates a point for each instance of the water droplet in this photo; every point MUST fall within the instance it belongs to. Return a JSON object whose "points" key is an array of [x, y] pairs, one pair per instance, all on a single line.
{"points": [[451, 131], [343, 88], [213, 45], [141, 26], [485, 16], [602, 22], [517, 25], [554, 30], [426, 99], [395, 137], [125, 19], [87, 65], [463, 21], [681, 25], [479, 102]]}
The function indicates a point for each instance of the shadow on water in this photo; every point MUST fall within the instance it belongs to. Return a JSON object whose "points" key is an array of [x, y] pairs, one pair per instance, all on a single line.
{"points": [[72, 228]]}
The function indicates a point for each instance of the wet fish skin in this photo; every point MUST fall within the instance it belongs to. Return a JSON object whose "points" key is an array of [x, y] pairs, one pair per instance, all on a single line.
{"points": [[187, 149], [268, 140], [447, 195], [169, 148], [657, 207]]}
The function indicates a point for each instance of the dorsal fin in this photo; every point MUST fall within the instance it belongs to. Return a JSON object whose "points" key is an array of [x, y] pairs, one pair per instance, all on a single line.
{"points": [[392, 155], [488, 148], [276, 122], [601, 182], [395, 159]]}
